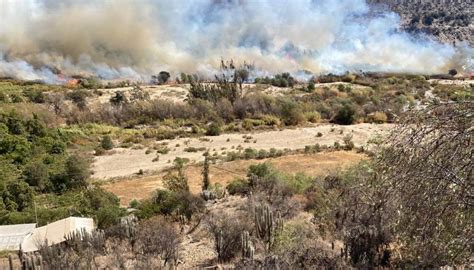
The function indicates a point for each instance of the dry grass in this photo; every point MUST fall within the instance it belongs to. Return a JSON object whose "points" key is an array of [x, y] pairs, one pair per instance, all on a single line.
{"points": [[126, 162], [313, 165]]}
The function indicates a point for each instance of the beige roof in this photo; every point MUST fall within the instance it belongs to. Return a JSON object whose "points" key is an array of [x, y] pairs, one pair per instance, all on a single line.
{"points": [[11, 236], [55, 232]]}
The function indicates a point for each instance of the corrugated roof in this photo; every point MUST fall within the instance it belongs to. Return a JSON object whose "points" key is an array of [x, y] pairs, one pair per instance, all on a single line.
{"points": [[11, 236], [55, 232]]}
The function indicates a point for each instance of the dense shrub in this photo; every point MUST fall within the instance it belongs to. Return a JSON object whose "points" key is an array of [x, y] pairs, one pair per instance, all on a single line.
{"points": [[34, 95], [106, 143], [291, 113], [238, 187], [214, 129], [171, 203], [346, 115]]}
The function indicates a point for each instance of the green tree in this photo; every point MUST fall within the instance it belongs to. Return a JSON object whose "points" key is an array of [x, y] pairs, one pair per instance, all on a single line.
{"points": [[345, 115], [77, 171], [36, 174], [17, 195]]}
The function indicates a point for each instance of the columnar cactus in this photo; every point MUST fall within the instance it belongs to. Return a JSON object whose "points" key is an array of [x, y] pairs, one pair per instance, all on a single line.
{"points": [[219, 245], [248, 249], [266, 225]]}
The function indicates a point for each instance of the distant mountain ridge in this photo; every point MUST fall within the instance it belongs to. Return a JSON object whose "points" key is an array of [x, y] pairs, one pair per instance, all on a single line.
{"points": [[449, 21]]}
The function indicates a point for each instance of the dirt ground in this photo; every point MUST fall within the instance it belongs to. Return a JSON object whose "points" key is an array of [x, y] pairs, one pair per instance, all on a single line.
{"points": [[125, 162], [453, 82], [312, 165]]}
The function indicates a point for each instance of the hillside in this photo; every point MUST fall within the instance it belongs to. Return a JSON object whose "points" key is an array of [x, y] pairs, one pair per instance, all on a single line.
{"points": [[447, 20]]}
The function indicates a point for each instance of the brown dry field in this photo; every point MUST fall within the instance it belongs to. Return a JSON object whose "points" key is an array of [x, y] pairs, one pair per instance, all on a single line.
{"points": [[313, 165], [126, 162]]}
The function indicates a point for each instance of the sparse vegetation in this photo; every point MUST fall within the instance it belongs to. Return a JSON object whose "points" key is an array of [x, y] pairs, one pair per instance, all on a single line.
{"points": [[406, 205]]}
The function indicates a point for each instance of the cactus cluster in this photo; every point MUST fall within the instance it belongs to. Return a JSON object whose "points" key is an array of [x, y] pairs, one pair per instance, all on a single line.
{"points": [[28, 262], [129, 226], [267, 225], [81, 239], [248, 250]]}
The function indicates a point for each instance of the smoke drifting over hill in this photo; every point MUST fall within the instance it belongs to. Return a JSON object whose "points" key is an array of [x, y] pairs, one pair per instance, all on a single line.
{"points": [[133, 39]]}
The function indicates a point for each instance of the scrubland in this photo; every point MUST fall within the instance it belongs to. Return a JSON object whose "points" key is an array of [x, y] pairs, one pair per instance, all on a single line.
{"points": [[345, 171]]}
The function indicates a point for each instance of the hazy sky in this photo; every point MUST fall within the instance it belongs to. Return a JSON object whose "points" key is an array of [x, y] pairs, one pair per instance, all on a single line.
{"points": [[133, 39]]}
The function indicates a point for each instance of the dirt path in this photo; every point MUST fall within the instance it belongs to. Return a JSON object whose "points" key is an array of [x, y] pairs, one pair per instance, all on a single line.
{"points": [[126, 162], [312, 165]]}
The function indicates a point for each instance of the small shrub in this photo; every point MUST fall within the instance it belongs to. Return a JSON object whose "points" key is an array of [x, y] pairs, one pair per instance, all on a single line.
{"points": [[168, 202], [162, 149], [313, 117], [134, 203], [194, 149], [378, 117], [271, 120], [250, 153], [248, 124], [348, 143], [106, 143], [238, 186], [99, 151], [262, 154], [108, 216], [214, 129]]}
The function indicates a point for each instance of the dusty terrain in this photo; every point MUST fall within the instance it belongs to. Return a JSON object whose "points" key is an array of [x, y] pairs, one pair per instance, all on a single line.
{"points": [[179, 92], [222, 173], [126, 162]]}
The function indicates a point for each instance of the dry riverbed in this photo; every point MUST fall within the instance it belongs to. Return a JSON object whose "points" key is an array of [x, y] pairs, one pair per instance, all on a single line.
{"points": [[126, 162]]}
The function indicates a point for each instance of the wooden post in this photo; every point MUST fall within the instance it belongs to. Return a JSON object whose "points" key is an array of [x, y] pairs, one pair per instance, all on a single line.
{"points": [[10, 262]]}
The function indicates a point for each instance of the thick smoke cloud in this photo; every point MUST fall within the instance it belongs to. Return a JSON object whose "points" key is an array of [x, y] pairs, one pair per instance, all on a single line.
{"points": [[133, 39]]}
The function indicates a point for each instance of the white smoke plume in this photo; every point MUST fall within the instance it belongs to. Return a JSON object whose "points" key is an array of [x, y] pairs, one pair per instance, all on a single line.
{"points": [[133, 39]]}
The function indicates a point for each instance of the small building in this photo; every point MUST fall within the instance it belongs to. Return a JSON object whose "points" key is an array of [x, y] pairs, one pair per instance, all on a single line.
{"points": [[12, 236], [28, 238], [55, 233]]}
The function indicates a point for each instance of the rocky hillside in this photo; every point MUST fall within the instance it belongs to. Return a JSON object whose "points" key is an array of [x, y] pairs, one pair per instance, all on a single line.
{"points": [[447, 20]]}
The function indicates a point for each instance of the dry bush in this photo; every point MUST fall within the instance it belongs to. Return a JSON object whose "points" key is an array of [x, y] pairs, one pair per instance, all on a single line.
{"points": [[226, 229], [429, 173], [362, 220], [417, 195], [158, 237]]}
